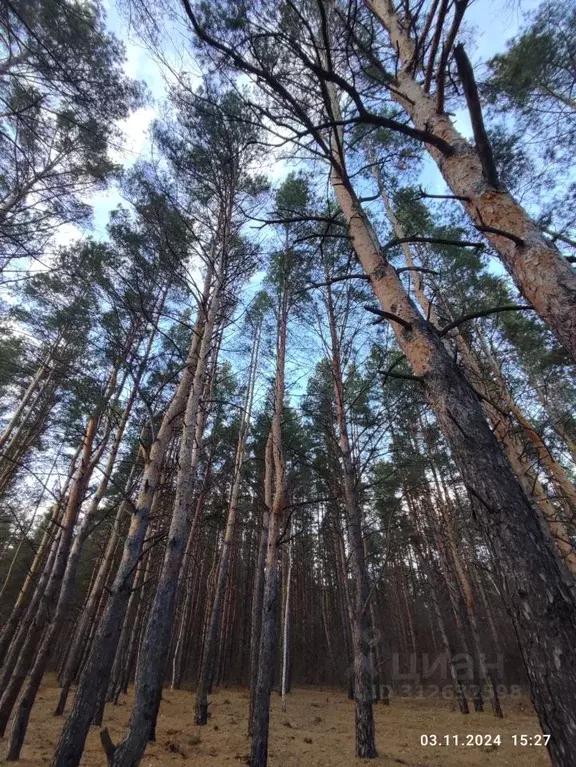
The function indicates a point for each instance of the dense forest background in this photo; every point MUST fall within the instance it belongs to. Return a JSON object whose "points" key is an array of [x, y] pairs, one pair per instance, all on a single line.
{"points": [[303, 411]]}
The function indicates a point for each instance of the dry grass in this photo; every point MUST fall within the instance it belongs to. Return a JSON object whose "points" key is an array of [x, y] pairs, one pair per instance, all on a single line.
{"points": [[316, 731]]}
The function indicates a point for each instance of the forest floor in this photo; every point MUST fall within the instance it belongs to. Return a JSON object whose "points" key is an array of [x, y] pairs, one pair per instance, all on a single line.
{"points": [[316, 731]]}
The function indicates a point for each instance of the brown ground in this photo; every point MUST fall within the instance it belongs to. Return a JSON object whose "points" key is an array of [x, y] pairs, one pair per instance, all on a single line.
{"points": [[316, 731]]}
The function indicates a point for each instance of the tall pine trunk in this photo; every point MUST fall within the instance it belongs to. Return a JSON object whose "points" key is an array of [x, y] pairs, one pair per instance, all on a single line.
{"points": [[496, 404], [258, 589], [96, 672], [537, 588], [360, 612], [155, 643], [265, 666], [207, 666], [50, 597]]}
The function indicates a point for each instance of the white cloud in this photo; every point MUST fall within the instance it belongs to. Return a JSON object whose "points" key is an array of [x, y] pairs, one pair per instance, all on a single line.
{"points": [[66, 234], [136, 136]]}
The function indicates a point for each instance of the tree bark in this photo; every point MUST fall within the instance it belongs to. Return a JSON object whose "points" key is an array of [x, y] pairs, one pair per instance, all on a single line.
{"points": [[496, 406], [152, 660], [361, 619], [258, 592], [96, 672], [459, 693], [261, 706], [50, 597], [541, 274], [538, 590], [284, 688], [207, 666]]}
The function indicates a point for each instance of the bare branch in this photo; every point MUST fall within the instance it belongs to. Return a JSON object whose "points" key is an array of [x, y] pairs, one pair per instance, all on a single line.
{"points": [[482, 313], [483, 145], [389, 316], [494, 230], [433, 241]]}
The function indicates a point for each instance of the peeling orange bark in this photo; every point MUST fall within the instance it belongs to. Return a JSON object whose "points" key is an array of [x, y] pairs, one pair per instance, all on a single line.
{"points": [[538, 590], [541, 274]]}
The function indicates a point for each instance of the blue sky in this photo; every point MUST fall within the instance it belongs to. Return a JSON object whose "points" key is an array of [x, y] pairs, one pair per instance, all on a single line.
{"points": [[494, 22]]}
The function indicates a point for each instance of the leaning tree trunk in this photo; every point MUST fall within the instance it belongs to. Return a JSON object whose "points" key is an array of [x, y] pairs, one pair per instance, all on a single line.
{"points": [[50, 596], [31, 396], [496, 405], [550, 464], [18, 607], [88, 615], [460, 618], [459, 692], [538, 589], [185, 582], [186, 590], [185, 579], [65, 599], [23, 403], [14, 624], [470, 601], [34, 608], [96, 672], [542, 275], [155, 643]]}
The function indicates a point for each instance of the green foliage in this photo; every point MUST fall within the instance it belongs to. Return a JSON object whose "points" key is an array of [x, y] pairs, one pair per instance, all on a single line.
{"points": [[534, 81], [11, 359], [63, 91], [537, 66]]}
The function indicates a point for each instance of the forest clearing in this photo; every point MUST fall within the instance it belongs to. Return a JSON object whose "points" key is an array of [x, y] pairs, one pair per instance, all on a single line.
{"points": [[317, 729], [287, 382]]}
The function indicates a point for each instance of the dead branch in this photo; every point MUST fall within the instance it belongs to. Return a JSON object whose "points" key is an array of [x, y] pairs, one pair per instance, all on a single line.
{"points": [[494, 230], [433, 241], [483, 313], [389, 316], [483, 146]]}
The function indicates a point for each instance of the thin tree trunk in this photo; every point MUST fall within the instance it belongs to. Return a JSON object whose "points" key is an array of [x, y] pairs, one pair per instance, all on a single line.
{"points": [[472, 616], [496, 413], [21, 718], [152, 660], [459, 693], [207, 666], [258, 593], [88, 614], [361, 623], [261, 706], [17, 626], [96, 672], [37, 557], [286, 625], [26, 397], [555, 470], [127, 644], [26, 654], [186, 585], [34, 608]]}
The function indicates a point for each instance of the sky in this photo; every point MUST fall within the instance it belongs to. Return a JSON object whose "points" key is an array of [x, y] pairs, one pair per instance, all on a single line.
{"points": [[494, 22]]}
